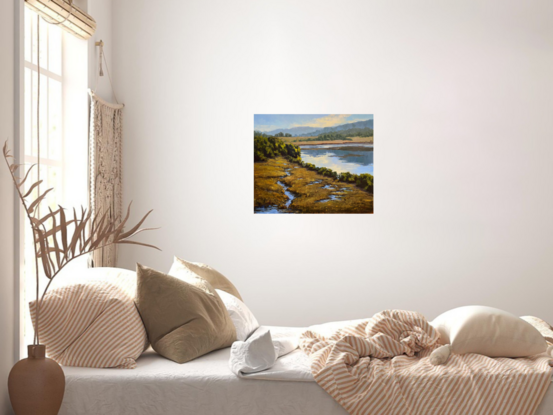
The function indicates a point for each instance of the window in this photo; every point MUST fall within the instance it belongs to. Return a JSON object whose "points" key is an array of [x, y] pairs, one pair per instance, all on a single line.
{"points": [[63, 133]]}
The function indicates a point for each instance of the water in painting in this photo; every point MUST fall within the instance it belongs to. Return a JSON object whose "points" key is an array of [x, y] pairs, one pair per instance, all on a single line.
{"points": [[316, 163]]}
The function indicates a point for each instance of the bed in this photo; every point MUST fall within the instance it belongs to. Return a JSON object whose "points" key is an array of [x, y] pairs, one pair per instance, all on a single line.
{"points": [[204, 386]]}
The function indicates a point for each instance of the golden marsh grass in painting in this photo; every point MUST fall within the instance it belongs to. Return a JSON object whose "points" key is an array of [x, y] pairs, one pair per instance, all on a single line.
{"points": [[267, 191], [312, 192]]}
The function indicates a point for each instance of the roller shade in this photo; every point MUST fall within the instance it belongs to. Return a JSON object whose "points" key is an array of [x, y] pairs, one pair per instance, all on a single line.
{"points": [[66, 14]]}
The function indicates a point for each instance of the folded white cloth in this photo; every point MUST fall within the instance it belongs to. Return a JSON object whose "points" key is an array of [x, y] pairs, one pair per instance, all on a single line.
{"points": [[440, 355], [259, 352]]}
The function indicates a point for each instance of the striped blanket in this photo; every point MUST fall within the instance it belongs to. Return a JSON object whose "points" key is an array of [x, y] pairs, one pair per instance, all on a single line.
{"points": [[381, 366]]}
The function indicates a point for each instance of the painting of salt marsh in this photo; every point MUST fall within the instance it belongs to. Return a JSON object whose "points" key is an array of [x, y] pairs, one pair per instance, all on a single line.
{"points": [[316, 163]]}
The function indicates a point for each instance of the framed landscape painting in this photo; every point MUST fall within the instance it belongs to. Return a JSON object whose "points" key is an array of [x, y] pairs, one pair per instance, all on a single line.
{"points": [[313, 163]]}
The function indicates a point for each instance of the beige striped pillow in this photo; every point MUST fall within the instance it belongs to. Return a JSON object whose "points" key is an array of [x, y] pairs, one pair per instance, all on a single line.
{"points": [[93, 324], [123, 278]]}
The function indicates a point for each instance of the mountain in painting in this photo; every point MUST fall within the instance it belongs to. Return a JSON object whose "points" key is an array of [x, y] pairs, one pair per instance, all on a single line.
{"points": [[359, 125], [294, 131], [314, 131]]}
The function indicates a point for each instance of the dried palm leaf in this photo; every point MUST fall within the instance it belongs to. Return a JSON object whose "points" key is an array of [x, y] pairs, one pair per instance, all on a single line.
{"points": [[57, 240]]}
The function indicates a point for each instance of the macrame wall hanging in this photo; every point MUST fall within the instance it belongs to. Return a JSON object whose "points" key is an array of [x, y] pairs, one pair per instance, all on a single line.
{"points": [[105, 188]]}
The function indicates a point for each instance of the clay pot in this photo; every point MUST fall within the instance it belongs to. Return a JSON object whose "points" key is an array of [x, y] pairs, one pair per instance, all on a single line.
{"points": [[36, 384]]}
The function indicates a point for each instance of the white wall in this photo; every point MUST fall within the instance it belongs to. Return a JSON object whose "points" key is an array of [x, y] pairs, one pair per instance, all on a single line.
{"points": [[101, 10], [461, 93], [7, 291]]}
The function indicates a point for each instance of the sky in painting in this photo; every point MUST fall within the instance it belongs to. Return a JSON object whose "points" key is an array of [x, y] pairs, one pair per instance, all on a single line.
{"points": [[269, 122]]}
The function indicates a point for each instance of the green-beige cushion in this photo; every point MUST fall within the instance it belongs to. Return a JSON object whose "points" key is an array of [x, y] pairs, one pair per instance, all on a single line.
{"points": [[184, 320], [214, 277]]}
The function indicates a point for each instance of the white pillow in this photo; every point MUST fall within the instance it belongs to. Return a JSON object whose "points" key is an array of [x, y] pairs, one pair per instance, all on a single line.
{"points": [[488, 331], [243, 319]]}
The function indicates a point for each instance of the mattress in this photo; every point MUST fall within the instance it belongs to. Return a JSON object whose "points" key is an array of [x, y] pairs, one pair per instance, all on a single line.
{"points": [[204, 386]]}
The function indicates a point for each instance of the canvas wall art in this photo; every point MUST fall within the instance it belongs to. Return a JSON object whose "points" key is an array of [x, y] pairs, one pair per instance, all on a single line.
{"points": [[313, 163]]}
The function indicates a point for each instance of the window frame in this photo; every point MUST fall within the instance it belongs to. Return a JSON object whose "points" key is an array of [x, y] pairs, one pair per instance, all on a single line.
{"points": [[19, 155], [74, 81], [27, 156], [33, 67]]}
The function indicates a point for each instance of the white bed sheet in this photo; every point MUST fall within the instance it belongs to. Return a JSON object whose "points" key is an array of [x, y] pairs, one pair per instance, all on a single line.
{"points": [[204, 386]]}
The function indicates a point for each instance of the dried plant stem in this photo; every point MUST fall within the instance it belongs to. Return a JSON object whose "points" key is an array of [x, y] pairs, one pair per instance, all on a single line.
{"points": [[24, 203], [71, 238], [37, 276]]}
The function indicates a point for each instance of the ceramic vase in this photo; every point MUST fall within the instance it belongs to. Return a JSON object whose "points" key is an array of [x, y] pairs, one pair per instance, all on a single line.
{"points": [[36, 384]]}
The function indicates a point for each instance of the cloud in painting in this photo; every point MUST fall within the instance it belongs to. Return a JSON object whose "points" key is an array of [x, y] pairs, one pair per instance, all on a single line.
{"points": [[327, 121], [270, 122], [265, 127]]}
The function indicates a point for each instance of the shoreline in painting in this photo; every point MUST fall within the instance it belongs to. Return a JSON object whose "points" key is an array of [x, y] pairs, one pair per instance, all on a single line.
{"points": [[319, 143], [309, 141]]}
